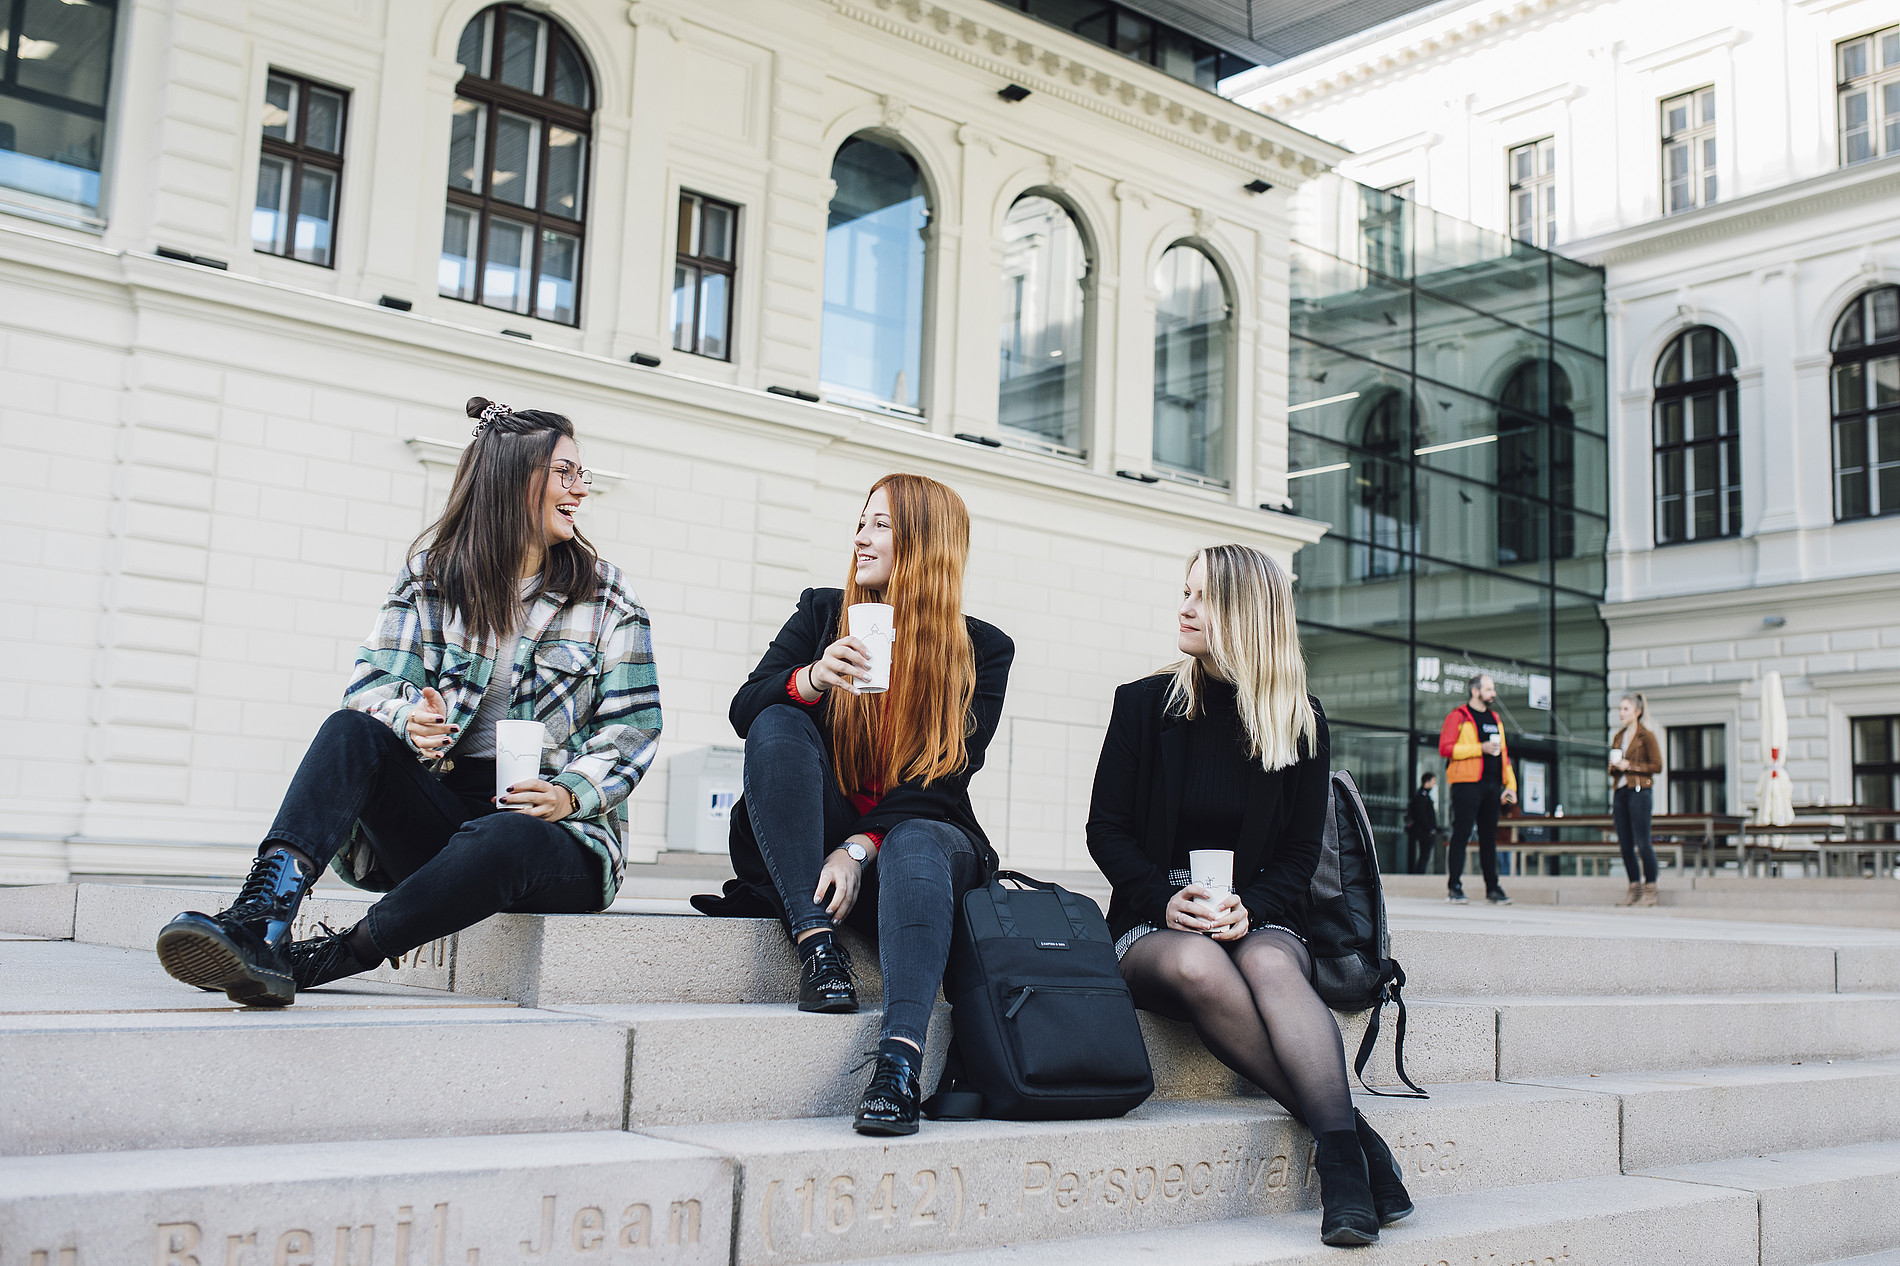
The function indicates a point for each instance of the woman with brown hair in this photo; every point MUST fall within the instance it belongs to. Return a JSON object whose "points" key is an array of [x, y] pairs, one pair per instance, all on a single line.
{"points": [[856, 804], [503, 611], [1635, 760]]}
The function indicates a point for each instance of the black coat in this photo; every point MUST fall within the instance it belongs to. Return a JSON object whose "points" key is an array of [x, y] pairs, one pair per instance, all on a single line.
{"points": [[803, 639], [1137, 802], [1421, 816]]}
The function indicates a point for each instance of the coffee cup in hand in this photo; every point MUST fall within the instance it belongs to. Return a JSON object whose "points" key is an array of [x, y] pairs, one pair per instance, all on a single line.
{"points": [[872, 624], [1212, 869], [1616, 754], [517, 754]]}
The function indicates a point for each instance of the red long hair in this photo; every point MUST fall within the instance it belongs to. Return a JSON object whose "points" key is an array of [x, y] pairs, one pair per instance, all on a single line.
{"points": [[917, 728]]}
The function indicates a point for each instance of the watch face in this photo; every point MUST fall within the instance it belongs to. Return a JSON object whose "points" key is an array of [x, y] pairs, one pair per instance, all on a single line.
{"points": [[857, 851]]}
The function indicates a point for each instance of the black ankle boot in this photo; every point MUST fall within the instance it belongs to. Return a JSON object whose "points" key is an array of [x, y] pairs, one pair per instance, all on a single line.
{"points": [[1347, 1217], [242, 950], [891, 1103], [825, 980], [1389, 1198], [322, 959]]}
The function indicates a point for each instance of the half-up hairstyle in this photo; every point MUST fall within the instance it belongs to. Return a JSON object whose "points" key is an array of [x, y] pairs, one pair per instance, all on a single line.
{"points": [[1641, 705], [1254, 642], [917, 728], [474, 552]]}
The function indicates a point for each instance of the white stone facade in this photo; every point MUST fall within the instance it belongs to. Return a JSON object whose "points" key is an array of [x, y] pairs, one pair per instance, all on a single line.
{"points": [[1791, 237], [209, 477]]}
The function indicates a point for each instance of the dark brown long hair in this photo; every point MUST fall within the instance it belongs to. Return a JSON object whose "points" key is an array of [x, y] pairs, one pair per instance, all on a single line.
{"points": [[917, 729], [492, 520]]}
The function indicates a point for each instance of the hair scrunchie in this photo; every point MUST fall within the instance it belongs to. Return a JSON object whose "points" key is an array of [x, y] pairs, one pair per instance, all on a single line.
{"points": [[489, 414]]}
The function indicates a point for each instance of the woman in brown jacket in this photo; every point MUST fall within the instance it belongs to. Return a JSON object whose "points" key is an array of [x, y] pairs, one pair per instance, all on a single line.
{"points": [[1635, 760]]}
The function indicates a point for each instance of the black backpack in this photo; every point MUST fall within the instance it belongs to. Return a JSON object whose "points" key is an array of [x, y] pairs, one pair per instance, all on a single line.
{"points": [[1044, 1027], [1353, 967]]}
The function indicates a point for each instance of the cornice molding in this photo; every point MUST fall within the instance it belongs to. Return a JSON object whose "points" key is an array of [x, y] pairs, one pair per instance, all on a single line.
{"points": [[1200, 122], [1727, 38], [1531, 101]]}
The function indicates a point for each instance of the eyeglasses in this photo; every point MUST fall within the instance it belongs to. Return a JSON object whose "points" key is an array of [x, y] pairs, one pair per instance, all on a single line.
{"points": [[569, 472]]}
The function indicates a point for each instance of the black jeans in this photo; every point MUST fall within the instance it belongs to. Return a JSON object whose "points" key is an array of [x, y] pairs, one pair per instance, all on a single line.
{"points": [[1632, 809], [1421, 860], [909, 893], [453, 857], [1473, 804]]}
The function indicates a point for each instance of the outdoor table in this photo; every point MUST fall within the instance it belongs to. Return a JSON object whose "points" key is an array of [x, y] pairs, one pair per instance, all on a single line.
{"points": [[1704, 832]]}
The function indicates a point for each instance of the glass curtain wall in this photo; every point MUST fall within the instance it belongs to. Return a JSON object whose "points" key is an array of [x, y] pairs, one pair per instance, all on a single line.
{"points": [[1447, 416]]}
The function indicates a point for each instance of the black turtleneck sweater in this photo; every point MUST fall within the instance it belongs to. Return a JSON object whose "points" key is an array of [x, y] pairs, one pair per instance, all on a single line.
{"points": [[1214, 789]]}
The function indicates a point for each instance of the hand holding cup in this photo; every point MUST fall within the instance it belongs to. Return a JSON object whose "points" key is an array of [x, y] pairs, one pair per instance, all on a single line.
{"points": [[1494, 747], [844, 662]]}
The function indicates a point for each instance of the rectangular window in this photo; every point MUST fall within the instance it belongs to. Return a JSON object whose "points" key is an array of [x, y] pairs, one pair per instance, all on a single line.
{"points": [[300, 170], [1698, 769], [1533, 172], [1688, 150], [55, 71], [703, 276], [1868, 72], [1877, 761]]}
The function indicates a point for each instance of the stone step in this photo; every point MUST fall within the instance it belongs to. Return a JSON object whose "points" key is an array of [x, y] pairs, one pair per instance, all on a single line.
{"points": [[1815, 1205], [1604, 1221], [813, 1191], [494, 1198], [101, 1051], [1680, 1118]]}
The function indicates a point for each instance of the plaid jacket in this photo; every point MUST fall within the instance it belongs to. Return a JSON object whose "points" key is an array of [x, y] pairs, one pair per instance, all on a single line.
{"points": [[586, 671]]}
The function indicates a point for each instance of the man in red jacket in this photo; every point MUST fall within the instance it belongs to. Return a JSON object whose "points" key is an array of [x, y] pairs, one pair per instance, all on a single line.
{"points": [[1480, 777]]}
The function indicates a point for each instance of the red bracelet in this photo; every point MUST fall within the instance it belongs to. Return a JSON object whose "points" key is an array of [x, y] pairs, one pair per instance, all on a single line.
{"points": [[791, 688]]}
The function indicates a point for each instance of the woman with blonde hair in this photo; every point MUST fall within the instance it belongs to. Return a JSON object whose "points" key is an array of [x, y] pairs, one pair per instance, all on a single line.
{"points": [[1635, 760], [857, 804], [1224, 749]]}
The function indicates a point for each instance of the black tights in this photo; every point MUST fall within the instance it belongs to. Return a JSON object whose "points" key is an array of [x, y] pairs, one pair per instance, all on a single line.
{"points": [[1254, 1007]]}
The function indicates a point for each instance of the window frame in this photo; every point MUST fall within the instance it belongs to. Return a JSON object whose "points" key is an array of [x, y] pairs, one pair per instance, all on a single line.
{"points": [[1883, 46], [10, 58], [844, 394], [1542, 186], [1888, 769], [299, 154], [1724, 386], [493, 97], [1224, 454], [1085, 335], [703, 264], [1683, 776], [1868, 416], [1704, 184]]}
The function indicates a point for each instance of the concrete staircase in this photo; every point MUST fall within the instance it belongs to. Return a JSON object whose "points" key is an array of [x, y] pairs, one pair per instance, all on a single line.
{"points": [[1607, 1087]]}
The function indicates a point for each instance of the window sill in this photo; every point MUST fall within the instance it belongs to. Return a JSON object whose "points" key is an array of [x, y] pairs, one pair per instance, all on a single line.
{"points": [[65, 215]]}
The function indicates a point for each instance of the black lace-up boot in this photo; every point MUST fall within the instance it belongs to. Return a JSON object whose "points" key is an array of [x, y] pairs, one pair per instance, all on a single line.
{"points": [[326, 958], [891, 1103], [826, 982], [242, 950], [1389, 1198], [1347, 1218]]}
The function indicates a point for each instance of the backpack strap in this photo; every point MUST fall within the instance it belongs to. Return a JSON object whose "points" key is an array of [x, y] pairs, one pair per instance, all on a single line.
{"points": [[1392, 991], [949, 1103]]}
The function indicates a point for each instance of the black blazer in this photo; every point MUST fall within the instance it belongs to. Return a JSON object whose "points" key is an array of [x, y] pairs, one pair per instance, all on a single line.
{"points": [[803, 639], [1137, 802]]}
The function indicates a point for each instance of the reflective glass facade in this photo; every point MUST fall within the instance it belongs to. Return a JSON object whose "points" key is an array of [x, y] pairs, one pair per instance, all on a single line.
{"points": [[1446, 415]]}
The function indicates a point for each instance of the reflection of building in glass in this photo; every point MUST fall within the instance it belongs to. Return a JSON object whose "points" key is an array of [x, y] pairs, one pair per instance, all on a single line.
{"points": [[1043, 342], [1446, 416]]}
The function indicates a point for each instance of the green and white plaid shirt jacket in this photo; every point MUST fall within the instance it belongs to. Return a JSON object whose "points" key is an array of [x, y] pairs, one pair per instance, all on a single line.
{"points": [[586, 671]]}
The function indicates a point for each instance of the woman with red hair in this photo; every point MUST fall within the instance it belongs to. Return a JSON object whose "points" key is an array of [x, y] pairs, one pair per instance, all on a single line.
{"points": [[857, 805]]}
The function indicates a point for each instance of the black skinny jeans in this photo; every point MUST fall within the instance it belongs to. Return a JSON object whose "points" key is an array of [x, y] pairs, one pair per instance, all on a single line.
{"points": [[1473, 804], [908, 896], [455, 857], [1633, 807]]}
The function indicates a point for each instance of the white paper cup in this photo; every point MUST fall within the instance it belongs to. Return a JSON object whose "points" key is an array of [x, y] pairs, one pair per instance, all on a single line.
{"points": [[873, 624], [1616, 754], [1213, 869], [517, 753]]}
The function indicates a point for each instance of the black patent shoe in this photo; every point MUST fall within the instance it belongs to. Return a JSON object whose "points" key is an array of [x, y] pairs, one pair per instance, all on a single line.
{"points": [[242, 950], [891, 1103], [825, 980], [323, 959], [1390, 1200], [1347, 1218]]}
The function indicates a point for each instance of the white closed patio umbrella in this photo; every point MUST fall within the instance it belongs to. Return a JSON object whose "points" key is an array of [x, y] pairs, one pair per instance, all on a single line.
{"points": [[1774, 797]]}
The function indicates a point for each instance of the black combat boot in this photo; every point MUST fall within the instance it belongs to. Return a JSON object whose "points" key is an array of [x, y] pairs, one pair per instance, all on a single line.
{"points": [[326, 958], [892, 1101], [825, 980], [1347, 1218], [242, 950], [1389, 1198]]}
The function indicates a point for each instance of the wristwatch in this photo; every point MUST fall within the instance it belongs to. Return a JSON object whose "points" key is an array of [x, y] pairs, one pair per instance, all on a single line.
{"points": [[857, 852]]}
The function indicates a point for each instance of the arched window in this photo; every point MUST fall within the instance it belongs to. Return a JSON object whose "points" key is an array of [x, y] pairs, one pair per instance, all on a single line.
{"points": [[1045, 272], [1867, 406], [1698, 453], [1378, 511], [513, 231], [872, 347], [1536, 426], [1192, 323]]}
